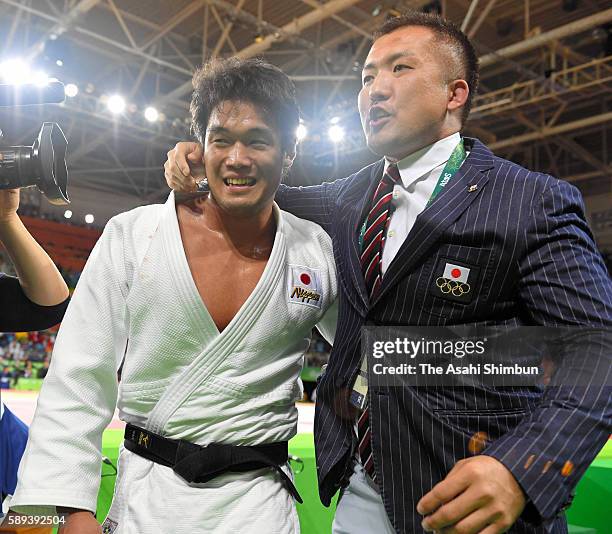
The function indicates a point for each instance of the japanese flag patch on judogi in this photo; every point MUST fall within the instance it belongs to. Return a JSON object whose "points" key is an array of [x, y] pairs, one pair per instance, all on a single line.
{"points": [[304, 286]]}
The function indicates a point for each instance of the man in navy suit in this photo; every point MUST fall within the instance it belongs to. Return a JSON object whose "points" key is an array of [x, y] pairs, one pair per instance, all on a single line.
{"points": [[521, 241]]}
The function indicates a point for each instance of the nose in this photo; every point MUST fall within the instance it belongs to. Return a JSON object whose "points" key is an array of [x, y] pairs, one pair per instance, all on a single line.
{"points": [[238, 156], [380, 88]]}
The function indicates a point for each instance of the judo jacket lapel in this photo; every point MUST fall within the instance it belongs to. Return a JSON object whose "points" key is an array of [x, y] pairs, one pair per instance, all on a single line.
{"points": [[216, 346]]}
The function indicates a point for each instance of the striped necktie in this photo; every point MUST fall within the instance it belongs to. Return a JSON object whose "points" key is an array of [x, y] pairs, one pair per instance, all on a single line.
{"points": [[371, 259], [374, 235]]}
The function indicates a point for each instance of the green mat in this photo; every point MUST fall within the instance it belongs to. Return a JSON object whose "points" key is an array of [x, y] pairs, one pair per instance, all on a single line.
{"points": [[29, 384], [589, 513], [591, 506]]}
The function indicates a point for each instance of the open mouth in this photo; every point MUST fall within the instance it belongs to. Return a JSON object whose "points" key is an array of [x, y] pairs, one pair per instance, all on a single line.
{"points": [[239, 182], [377, 117]]}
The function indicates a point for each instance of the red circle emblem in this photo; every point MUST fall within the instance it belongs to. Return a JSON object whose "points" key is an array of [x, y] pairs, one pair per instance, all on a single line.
{"points": [[305, 279], [456, 273]]}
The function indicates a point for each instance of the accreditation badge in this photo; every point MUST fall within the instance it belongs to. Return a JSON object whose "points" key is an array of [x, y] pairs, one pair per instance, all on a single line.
{"points": [[109, 526], [359, 392]]}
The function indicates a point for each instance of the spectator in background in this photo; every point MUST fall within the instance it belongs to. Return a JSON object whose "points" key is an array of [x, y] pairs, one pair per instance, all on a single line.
{"points": [[6, 379], [42, 371]]}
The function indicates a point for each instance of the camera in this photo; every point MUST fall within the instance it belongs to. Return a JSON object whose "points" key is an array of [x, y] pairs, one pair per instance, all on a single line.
{"points": [[44, 163]]}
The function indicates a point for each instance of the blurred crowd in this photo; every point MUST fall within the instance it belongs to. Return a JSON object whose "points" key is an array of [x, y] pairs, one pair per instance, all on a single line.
{"points": [[318, 351], [24, 355]]}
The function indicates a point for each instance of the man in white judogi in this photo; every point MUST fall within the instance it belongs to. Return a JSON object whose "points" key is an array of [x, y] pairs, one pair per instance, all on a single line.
{"points": [[206, 307]]}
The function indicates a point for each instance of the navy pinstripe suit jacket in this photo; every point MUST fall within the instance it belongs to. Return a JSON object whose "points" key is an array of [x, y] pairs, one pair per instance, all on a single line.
{"points": [[526, 234]]}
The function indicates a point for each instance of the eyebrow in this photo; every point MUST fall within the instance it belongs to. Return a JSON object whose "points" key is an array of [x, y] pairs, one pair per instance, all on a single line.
{"points": [[389, 59], [256, 131]]}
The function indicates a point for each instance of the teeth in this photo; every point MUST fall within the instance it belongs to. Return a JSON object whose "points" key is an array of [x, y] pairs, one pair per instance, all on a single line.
{"points": [[238, 181]]}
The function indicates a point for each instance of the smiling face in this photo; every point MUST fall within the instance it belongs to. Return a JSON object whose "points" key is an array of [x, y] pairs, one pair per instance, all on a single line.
{"points": [[405, 94], [243, 158]]}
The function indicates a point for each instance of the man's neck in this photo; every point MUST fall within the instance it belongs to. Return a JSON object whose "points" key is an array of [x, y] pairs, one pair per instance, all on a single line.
{"points": [[245, 231], [419, 145]]}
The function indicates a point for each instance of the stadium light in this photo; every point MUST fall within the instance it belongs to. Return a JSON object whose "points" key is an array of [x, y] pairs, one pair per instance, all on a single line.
{"points": [[59, 63], [67, 214], [40, 78], [116, 104], [15, 71], [336, 133], [334, 120], [71, 90], [151, 114], [89, 218], [301, 132]]}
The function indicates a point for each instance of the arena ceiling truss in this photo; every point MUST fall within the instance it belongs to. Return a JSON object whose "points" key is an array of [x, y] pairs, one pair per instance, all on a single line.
{"points": [[544, 101]]}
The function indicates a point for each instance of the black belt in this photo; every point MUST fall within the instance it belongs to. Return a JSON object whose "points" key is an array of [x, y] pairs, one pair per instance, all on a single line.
{"points": [[196, 463]]}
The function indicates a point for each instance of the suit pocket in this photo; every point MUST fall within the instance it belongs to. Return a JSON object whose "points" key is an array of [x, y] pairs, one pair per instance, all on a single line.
{"points": [[483, 425], [459, 280]]}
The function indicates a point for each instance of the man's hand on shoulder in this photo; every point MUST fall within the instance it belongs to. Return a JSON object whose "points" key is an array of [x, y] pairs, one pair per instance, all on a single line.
{"points": [[479, 495], [184, 167]]}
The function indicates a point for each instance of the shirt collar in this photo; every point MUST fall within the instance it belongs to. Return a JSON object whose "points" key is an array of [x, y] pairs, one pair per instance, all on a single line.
{"points": [[426, 159]]}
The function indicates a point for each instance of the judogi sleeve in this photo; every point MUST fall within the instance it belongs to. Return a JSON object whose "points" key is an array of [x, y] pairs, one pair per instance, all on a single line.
{"points": [[327, 325], [62, 462]]}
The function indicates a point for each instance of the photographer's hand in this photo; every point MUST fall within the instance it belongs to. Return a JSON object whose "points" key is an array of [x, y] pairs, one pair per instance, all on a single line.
{"points": [[39, 278]]}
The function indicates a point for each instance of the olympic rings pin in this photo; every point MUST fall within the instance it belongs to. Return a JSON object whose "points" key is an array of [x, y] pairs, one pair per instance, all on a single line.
{"points": [[453, 287]]}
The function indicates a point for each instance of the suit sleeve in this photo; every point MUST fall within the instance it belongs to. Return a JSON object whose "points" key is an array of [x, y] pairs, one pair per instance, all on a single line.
{"points": [[62, 462], [563, 281], [312, 202]]}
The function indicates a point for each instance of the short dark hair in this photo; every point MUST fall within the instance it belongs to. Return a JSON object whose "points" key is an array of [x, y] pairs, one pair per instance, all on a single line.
{"points": [[444, 31], [245, 80]]}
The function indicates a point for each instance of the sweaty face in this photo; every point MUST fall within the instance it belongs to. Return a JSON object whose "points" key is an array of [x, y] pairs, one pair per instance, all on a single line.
{"points": [[404, 95], [243, 158]]}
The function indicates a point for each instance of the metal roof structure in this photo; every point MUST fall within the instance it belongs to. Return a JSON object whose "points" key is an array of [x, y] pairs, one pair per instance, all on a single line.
{"points": [[544, 99]]}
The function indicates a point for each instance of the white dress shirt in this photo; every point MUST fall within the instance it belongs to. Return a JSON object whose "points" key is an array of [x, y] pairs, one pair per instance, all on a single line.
{"points": [[419, 174]]}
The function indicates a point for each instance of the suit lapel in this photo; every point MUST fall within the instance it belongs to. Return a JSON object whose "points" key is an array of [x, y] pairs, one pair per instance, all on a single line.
{"points": [[353, 209], [448, 206]]}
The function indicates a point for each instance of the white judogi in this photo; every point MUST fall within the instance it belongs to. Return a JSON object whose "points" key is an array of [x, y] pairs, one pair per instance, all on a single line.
{"points": [[137, 303]]}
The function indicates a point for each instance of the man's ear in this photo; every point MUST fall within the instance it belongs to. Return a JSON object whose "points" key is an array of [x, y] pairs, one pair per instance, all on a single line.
{"points": [[289, 157], [458, 94]]}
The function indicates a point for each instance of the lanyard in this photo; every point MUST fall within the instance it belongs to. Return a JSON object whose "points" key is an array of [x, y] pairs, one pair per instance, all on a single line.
{"points": [[450, 169]]}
